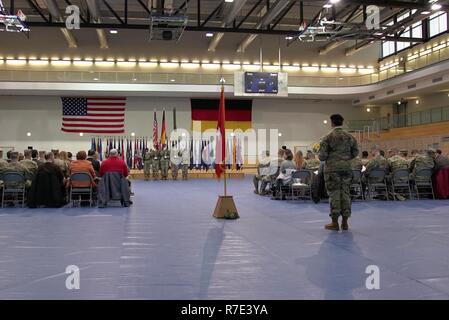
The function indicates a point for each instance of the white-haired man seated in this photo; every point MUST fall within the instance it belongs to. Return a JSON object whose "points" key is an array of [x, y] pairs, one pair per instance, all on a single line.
{"points": [[114, 164]]}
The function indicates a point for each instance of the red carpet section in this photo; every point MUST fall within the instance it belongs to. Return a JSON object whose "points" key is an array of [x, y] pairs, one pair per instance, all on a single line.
{"points": [[205, 114]]}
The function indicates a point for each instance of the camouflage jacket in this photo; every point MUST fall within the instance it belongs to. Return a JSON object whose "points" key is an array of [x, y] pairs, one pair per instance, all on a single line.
{"points": [[378, 162], [396, 163], [337, 149], [312, 164], [421, 161], [356, 164]]}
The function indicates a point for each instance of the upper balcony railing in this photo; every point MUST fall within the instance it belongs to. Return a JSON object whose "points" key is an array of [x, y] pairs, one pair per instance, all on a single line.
{"points": [[207, 73], [434, 115]]}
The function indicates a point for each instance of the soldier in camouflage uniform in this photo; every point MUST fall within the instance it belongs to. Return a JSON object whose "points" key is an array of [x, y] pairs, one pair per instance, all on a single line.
{"points": [[377, 162], [155, 165], [175, 159], [396, 162], [165, 161], [147, 164], [356, 164], [337, 149], [421, 161], [16, 166], [29, 164], [185, 164], [311, 163]]}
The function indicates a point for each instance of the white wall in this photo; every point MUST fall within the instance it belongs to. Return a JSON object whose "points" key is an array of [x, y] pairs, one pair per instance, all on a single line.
{"points": [[299, 121]]}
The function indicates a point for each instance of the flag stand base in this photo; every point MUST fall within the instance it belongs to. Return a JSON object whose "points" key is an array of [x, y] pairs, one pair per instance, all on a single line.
{"points": [[225, 208]]}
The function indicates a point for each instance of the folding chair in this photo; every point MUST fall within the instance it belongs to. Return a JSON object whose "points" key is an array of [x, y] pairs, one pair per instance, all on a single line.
{"points": [[400, 181], [302, 183], [376, 180], [80, 191], [14, 186], [356, 185], [423, 180]]}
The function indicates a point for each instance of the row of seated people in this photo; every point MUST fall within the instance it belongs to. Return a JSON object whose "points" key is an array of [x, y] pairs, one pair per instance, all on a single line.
{"points": [[277, 172], [48, 180]]}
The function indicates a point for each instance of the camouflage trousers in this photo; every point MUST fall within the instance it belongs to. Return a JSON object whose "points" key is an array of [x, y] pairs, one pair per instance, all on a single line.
{"points": [[147, 170], [174, 171], [155, 170], [185, 171], [164, 170], [338, 186]]}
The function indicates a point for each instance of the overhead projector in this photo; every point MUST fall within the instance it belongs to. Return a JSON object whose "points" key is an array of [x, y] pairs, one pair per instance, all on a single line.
{"points": [[167, 27]]}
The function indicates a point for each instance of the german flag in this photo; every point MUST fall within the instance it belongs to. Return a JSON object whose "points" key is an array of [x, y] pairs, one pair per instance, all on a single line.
{"points": [[205, 115]]}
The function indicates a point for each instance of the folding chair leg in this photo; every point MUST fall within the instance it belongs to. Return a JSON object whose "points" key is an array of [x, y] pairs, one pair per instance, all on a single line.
{"points": [[3, 197]]}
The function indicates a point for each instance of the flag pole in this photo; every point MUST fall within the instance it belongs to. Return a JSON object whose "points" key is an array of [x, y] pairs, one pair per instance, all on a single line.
{"points": [[225, 207], [222, 81]]}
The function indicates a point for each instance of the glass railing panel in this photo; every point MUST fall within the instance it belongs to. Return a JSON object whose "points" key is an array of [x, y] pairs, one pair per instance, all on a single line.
{"points": [[426, 117], [73, 76], [142, 77], [436, 115], [55, 76], [38, 76], [5, 75], [21, 76], [416, 118], [445, 114], [158, 78]]}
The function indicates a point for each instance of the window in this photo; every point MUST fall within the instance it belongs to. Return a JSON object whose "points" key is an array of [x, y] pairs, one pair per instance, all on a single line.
{"points": [[437, 23], [413, 31]]}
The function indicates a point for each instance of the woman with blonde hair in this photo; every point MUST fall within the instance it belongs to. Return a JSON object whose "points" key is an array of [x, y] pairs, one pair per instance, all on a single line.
{"points": [[299, 160]]}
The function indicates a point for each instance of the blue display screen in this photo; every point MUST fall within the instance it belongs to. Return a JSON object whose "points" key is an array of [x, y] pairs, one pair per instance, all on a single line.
{"points": [[261, 82]]}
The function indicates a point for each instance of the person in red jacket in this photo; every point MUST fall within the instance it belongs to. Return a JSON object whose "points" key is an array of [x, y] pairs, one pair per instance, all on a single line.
{"points": [[114, 164]]}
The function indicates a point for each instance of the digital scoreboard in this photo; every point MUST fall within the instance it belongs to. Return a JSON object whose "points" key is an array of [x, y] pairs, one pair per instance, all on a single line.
{"points": [[261, 82]]}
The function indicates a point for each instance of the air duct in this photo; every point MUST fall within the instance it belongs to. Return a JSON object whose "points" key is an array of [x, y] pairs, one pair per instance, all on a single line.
{"points": [[56, 14], [271, 14], [94, 10], [237, 6]]}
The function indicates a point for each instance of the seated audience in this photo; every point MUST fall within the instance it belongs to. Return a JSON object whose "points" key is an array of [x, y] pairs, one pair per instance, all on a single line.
{"points": [[34, 156], [365, 159], [114, 164], [82, 165], [285, 173], [48, 188], [69, 157], [272, 172], [2, 161], [396, 162], [95, 162], [300, 162], [264, 163], [377, 162], [357, 164], [41, 158], [15, 166], [112, 186], [60, 161], [421, 161], [312, 162], [28, 163], [441, 161]]}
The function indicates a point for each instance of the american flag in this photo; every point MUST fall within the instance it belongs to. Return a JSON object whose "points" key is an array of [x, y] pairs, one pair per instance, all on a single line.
{"points": [[93, 115], [155, 137]]}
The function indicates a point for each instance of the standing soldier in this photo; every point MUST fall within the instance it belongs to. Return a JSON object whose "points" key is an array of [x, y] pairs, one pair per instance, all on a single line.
{"points": [[337, 149], [165, 161], [185, 163], [155, 165], [147, 163], [175, 159]]}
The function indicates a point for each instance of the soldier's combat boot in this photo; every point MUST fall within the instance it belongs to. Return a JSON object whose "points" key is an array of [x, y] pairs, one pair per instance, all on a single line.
{"points": [[333, 225], [344, 223]]}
